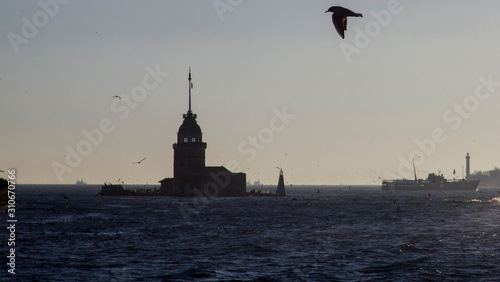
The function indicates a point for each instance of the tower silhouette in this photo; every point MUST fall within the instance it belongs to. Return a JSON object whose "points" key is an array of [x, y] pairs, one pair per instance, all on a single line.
{"points": [[467, 166], [281, 185], [189, 151], [191, 177]]}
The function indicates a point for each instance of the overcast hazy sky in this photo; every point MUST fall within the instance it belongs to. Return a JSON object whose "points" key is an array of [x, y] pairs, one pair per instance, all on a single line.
{"points": [[329, 111]]}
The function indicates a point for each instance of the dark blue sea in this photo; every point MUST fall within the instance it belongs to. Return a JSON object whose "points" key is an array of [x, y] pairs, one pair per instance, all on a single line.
{"points": [[338, 234]]}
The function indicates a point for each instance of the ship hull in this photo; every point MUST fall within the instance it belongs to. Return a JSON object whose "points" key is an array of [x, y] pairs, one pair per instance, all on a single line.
{"points": [[114, 190]]}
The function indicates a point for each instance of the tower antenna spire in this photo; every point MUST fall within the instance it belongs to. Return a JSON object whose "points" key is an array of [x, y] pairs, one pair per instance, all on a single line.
{"points": [[190, 86]]}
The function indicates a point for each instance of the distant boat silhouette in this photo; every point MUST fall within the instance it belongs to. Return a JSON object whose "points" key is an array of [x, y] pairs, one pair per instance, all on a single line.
{"points": [[4, 197], [339, 18]]}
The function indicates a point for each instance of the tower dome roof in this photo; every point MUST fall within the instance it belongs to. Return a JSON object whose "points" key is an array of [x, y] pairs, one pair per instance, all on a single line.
{"points": [[189, 126]]}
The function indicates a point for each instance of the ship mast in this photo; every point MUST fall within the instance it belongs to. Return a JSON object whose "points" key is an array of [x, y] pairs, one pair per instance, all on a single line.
{"points": [[414, 170]]}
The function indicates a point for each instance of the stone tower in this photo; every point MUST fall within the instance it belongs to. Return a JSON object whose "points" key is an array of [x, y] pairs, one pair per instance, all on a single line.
{"points": [[191, 177], [189, 151]]}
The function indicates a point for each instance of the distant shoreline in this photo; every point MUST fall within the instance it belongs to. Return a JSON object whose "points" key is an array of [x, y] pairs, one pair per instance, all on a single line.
{"points": [[270, 187]]}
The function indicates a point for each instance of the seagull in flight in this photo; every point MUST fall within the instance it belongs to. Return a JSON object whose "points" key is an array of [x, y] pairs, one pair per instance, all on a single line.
{"points": [[339, 18], [139, 162], [116, 96]]}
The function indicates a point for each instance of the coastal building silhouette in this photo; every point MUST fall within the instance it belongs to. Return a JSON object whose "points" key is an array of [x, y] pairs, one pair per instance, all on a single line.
{"points": [[191, 177]]}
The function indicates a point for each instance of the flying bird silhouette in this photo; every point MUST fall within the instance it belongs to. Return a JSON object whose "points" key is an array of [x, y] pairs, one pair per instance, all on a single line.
{"points": [[116, 96], [139, 162], [339, 18]]}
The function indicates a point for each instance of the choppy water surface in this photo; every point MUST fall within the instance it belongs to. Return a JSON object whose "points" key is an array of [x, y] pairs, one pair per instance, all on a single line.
{"points": [[337, 234]]}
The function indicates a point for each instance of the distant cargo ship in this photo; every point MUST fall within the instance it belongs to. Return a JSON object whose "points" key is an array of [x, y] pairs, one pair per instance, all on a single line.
{"points": [[81, 182], [433, 182]]}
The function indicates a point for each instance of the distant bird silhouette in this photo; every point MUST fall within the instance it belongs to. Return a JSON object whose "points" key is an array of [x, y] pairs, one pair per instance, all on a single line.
{"points": [[339, 18], [139, 162], [116, 96]]}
